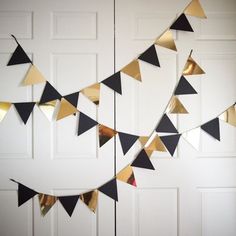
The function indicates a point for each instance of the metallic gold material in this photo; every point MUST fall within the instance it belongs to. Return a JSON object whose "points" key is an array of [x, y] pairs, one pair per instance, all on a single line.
{"points": [[48, 109], [149, 152], [176, 107], [92, 93], [143, 140], [193, 137], [192, 68], [4, 108], [133, 70], [105, 134], [195, 9], [127, 175], [66, 109], [166, 40], [90, 199], [46, 202], [229, 116], [33, 76], [156, 145]]}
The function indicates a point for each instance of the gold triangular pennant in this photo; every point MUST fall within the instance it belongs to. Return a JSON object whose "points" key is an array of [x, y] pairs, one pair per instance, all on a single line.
{"points": [[48, 109], [193, 137], [33, 76], [195, 9], [127, 175], [176, 107], [133, 70], [156, 145], [105, 134], [143, 140], [229, 116], [46, 202], [4, 108], [192, 68], [166, 40], [90, 199], [92, 93], [66, 109]]}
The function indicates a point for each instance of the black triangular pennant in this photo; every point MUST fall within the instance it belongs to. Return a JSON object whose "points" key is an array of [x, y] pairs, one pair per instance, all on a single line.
{"points": [[143, 161], [171, 142], [69, 203], [24, 109], [24, 194], [213, 128], [19, 57], [85, 123], [110, 189], [182, 23], [127, 141], [114, 82], [49, 94], [72, 98], [150, 56], [184, 87], [165, 125]]}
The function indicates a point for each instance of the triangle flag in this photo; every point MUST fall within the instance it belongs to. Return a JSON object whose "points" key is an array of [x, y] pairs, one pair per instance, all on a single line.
{"points": [[182, 23], [33, 76], [114, 82], [105, 134], [4, 108], [110, 189], [176, 107], [171, 142], [213, 128], [19, 57], [165, 125], [48, 109], [90, 199], [127, 175], [150, 56], [85, 123], [46, 202], [69, 203], [195, 9], [49, 94], [193, 137], [192, 68], [24, 194], [143, 161], [184, 87], [229, 116], [72, 98], [92, 93], [143, 140], [166, 40], [127, 141], [133, 70], [24, 109], [66, 109], [156, 145]]}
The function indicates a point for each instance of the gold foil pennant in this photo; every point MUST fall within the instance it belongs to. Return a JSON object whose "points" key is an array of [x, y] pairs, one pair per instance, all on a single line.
{"points": [[143, 140], [229, 116], [66, 109], [33, 76], [105, 134], [166, 40], [48, 109], [192, 68], [92, 93], [90, 199], [46, 202], [133, 70], [127, 175], [176, 107], [156, 145], [4, 108], [195, 9]]}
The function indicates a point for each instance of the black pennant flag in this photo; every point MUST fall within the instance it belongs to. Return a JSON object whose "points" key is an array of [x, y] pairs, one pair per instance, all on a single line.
{"points": [[24, 194], [114, 82], [72, 98], [69, 203], [49, 94], [182, 23], [143, 161], [165, 125], [85, 123], [184, 87], [24, 109], [110, 189], [150, 56], [171, 142], [212, 127], [127, 141]]}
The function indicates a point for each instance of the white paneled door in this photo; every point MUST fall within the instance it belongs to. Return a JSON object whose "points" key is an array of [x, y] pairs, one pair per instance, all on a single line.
{"points": [[76, 43]]}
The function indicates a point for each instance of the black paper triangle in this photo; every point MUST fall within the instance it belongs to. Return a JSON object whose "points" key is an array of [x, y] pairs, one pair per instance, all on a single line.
{"points": [[165, 125], [150, 56], [24, 109], [143, 161], [184, 87], [24, 194], [182, 23], [110, 189], [85, 123], [72, 98], [127, 141], [114, 82], [171, 142], [49, 94], [18, 57], [213, 128], [69, 203]]}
